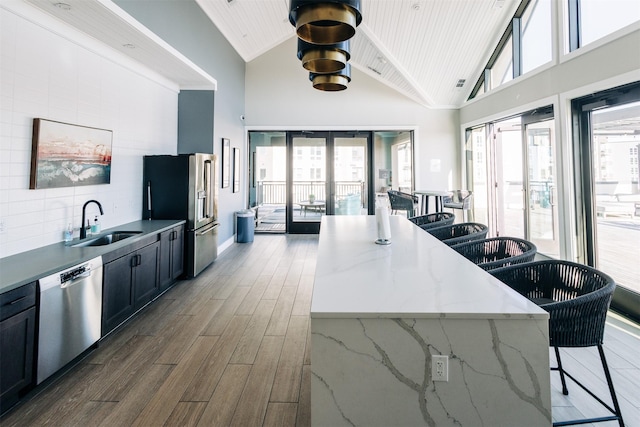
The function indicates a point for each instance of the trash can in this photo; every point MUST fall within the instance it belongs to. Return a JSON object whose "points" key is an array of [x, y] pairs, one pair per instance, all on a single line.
{"points": [[245, 226]]}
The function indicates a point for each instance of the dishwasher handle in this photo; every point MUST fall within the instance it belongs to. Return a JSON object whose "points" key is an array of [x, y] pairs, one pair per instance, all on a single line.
{"points": [[79, 278], [70, 276]]}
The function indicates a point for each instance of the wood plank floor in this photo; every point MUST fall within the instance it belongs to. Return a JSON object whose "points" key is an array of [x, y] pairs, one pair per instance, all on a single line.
{"points": [[231, 347]]}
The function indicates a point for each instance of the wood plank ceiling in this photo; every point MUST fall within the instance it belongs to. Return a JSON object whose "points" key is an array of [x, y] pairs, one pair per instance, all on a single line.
{"points": [[421, 48]]}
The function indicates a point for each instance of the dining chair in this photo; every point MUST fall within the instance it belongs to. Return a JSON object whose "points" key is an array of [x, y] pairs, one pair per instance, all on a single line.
{"points": [[577, 298], [459, 199], [400, 201], [497, 252]]}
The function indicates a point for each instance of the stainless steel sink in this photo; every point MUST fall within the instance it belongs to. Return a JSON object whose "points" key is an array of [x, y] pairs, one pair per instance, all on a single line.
{"points": [[107, 239]]}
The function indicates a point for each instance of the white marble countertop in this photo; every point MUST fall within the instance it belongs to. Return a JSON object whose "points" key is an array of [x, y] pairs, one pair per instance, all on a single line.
{"points": [[417, 276]]}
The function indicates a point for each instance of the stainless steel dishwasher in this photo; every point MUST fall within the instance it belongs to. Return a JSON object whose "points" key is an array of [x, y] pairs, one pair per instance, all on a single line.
{"points": [[70, 315]]}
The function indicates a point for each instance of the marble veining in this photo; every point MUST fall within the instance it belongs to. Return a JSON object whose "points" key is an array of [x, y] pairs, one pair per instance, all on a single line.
{"points": [[483, 364], [380, 313]]}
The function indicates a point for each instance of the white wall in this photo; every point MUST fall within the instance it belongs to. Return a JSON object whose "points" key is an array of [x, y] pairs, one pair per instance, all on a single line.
{"points": [[279, 96], [45, 75]]}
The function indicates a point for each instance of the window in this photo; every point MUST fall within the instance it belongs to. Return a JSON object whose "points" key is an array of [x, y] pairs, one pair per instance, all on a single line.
{"points": [[599, 18], [525, 45], [502, 70], [594, 19], [607, 184], [536, 35]]}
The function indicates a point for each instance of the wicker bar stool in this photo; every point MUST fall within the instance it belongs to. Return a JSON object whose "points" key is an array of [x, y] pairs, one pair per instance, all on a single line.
{"points": [[497, 252], [438, 219], [577, 298], [459, 233]]}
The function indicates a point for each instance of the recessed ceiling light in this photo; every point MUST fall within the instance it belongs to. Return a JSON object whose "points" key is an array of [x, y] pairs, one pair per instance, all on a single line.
{"points": [[63, 6], [129, 46]]}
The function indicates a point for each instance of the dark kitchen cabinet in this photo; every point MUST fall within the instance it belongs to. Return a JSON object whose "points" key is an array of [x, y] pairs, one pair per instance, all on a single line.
{"points": [[129, 282], [17, 343], [145, 283], [171, 256]]}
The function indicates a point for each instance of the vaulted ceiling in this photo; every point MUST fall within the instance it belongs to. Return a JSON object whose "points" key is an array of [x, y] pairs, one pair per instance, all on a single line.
{"points": [[432, 51], [422, 48]]}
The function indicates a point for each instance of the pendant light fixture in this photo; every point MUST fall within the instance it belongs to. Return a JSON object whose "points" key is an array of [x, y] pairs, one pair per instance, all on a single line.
{"points": [[325, 21], [323, 58], [332, 82]]}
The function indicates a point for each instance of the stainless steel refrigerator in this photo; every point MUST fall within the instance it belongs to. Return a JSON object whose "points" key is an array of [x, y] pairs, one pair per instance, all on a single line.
{"points": [[185, 187]]}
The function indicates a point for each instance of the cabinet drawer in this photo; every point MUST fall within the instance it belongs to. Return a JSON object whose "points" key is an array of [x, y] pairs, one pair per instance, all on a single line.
{"points": [[16, 300]]}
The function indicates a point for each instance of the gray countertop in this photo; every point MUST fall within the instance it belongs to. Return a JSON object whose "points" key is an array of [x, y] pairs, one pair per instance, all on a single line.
{"points": [[20, 269]]}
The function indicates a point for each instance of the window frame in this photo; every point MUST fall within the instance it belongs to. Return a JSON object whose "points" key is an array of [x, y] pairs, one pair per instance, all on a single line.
{"points": [[514, 31]]}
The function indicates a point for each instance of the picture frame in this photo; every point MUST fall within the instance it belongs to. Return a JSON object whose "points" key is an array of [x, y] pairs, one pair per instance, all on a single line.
{"points": [[236, 170], [69, 155], [226, 162]]}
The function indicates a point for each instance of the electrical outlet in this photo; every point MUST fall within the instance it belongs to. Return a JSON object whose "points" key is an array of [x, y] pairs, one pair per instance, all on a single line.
{"points": [[440, 368]]}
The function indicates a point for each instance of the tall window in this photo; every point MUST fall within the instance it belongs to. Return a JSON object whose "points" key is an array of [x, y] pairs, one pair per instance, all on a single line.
{"points": [[536, 35], [525, 45], [599, 18], [607, 180], [502, 70]]}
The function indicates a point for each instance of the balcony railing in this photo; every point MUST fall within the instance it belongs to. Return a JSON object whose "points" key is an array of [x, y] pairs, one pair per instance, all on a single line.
{"points": [[275, 192]]}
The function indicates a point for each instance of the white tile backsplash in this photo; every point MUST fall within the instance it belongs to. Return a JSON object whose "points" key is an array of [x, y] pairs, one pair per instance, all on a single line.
{"points": [[45, 75]]}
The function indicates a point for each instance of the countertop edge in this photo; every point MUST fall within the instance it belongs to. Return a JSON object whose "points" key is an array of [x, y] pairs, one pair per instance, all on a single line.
{"points": [[63, 255], [442, 316]]}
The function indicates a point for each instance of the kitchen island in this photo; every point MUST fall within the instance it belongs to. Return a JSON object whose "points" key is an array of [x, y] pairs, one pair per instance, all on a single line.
{"points": [[379, 314]]}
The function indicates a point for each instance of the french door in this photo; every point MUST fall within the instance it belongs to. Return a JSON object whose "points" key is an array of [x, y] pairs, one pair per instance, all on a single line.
{"points": [[512, 172], [329, 174]]}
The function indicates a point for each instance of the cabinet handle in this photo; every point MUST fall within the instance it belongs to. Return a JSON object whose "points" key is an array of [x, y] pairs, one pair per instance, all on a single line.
{"points": [[174, 235], [17, 300], [134, 260], [139, 257]]}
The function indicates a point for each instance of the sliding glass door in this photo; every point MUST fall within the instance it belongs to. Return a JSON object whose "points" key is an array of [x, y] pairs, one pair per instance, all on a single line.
{"points": [[330, 175], [509, 178], [542, 211], [607, 147], [296, 178], [350, 192], [308, 186], [267, 178]]}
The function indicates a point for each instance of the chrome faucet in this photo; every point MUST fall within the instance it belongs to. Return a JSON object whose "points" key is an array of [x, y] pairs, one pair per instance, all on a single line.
{"points": [[83, 230]]}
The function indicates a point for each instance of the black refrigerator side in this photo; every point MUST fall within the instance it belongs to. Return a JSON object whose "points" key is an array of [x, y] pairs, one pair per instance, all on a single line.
{"points": [[165, 187], [185, 187]]}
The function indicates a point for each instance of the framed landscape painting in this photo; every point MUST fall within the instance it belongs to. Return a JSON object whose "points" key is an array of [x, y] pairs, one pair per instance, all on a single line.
{"points": [[66, 155]]}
